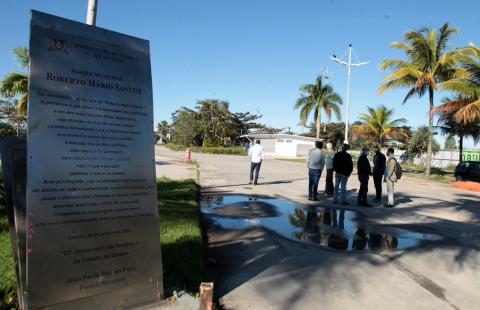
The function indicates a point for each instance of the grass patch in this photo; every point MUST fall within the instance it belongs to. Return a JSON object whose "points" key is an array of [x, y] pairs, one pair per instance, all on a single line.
{"points": [[180, 235], [443, 175], [8, 284], [234, 150], [7, 272]]}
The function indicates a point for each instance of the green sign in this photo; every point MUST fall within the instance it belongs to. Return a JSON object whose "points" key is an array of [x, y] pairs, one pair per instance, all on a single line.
{"points": [[471, 155]]}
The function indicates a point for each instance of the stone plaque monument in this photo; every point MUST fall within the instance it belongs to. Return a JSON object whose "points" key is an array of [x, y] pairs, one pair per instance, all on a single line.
{"points": [[93, 237]]}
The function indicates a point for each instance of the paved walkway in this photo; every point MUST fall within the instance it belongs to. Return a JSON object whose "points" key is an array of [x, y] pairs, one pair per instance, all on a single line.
{"points": [[256, 269]]}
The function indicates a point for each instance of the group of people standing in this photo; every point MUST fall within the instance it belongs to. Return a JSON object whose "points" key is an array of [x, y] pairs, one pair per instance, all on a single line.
{"points": [[385, 170], [341, 164]]}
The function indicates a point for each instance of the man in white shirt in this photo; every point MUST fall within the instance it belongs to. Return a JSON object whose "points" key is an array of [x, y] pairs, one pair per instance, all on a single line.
{"points": [[256, 156]]}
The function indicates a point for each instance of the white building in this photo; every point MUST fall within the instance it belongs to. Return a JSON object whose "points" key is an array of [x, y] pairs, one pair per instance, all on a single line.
{"points": [[282, 145]]}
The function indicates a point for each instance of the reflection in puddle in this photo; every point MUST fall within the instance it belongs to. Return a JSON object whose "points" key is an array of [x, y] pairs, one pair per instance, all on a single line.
{"points": [[333, 228]]}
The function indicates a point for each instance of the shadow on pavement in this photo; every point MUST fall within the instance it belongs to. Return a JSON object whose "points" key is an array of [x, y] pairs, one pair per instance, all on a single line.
{"points": [[294, 269], [259, 184]]}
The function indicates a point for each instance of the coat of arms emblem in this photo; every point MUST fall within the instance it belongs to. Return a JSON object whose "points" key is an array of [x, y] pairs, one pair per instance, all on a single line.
{"points": [[58, 45]]}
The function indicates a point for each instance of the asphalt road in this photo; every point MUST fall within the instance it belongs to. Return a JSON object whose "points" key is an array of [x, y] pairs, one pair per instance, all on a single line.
{"points": [[257, 269]]}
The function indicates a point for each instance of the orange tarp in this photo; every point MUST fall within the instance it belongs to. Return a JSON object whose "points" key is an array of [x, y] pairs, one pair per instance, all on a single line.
{"points": [[471, 186]]}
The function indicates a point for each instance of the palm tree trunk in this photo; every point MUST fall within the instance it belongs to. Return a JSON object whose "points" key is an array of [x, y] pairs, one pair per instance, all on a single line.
{"points": [[460, 144], [430, 132], [318, 124]]}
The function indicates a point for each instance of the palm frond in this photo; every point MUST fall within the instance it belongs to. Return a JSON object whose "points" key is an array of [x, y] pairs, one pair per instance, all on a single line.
{"points": [[444, 35], [302, 101], [22, 104], [394, 63], [470, 114], [13, 84], [404, 72], [397, 83], [463, 87], [336, 111], [21, 55], [401, 46]]}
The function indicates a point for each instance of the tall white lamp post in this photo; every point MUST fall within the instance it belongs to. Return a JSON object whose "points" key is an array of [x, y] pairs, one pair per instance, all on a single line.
{"points": [[349, 66], [92, 12]]}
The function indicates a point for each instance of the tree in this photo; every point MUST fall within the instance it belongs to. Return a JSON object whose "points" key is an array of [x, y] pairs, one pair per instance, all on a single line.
{"points": [[15, 84], [378, 125], [401, 136], [7, 130], [466, 85], [242, 123], [186, 127], [429, 62], [419, 144], [211, 123], [164, 129], [317, 97], [334, 134], [215, 117], [288, 131], [450, 143], [449, 125], [12, 120], [269, 130]]}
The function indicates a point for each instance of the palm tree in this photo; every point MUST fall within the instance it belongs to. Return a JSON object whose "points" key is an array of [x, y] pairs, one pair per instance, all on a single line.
{"points": [[428, 63], [164, 129], [466, 85], [449, 124], [377, 124], [16, 83], [315, 97]]}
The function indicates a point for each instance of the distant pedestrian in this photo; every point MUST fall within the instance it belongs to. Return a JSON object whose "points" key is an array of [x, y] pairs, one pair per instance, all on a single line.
{"points": [[364, 171], [390, 177], [379, 163], [246, 145], [315, 163], [343, 167], [329, 166], [256, 156]]}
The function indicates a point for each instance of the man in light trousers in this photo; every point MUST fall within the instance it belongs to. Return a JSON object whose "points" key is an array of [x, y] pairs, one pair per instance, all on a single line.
{"points": [[390, 177], [329, 166]]}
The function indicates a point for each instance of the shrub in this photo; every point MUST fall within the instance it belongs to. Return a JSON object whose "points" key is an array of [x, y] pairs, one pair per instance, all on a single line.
{"points": [[236, 150]]}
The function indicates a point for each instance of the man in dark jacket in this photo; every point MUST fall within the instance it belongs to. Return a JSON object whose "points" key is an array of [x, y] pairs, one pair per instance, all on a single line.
{"points": [[364, 171], [343, 167], [379, 162]]}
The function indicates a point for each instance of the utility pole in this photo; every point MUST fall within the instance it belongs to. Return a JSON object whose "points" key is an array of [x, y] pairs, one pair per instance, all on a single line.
{"points": [[92, 12], [349, 66]]}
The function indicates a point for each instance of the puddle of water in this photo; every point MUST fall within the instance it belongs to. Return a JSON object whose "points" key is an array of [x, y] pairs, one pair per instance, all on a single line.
{"points": [[333, 228]]}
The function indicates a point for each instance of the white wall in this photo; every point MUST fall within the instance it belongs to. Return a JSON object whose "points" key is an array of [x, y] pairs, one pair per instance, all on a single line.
{"points": [[285, 148], [288, 147]]}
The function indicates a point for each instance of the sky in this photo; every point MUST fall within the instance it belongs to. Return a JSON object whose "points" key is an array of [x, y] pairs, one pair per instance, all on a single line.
{"points": [[257, 53]]}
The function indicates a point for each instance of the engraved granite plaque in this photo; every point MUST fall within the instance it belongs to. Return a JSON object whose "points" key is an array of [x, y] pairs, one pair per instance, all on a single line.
{"points": [[93, 238]]}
